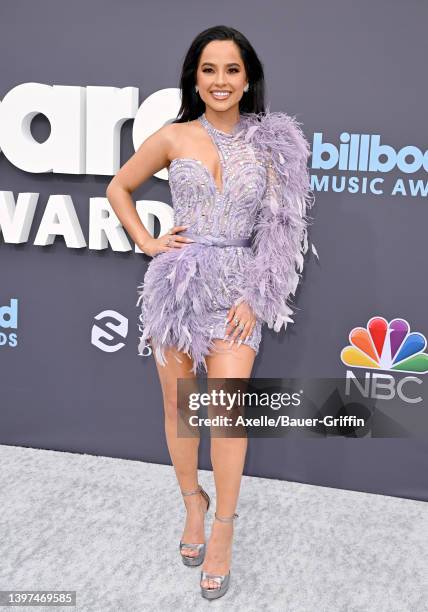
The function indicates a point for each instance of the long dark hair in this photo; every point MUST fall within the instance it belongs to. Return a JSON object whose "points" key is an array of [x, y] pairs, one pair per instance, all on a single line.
{"points": [[253, 101]]}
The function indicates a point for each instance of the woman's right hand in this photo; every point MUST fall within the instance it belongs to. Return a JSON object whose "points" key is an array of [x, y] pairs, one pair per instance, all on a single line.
{"points": [[168, 242]]}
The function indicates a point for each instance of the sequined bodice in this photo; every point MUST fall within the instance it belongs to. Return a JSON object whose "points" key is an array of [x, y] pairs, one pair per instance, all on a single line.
{"points": [[197, 200]]}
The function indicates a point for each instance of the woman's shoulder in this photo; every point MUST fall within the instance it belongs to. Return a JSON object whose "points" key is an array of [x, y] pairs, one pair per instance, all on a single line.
{"points": [[279, 134], [180, 135]]}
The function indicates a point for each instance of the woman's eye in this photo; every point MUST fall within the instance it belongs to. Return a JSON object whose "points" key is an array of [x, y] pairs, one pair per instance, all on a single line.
{"points": [[231, 69]]}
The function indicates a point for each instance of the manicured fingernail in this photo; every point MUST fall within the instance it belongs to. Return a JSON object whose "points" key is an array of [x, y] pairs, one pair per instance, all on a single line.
{"points": [[226, 337], [239, 342], [190, 240], [231, 342]]}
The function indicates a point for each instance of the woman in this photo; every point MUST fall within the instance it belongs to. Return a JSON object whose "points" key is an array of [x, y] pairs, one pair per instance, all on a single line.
{"points": [[234, 170]]}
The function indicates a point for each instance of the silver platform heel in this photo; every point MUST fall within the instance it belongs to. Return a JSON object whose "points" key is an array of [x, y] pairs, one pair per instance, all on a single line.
{"points": [[222, 581], [199, 558]]}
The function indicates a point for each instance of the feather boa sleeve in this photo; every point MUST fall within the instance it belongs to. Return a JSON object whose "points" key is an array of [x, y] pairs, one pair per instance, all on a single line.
{"points": [[280, 230]]}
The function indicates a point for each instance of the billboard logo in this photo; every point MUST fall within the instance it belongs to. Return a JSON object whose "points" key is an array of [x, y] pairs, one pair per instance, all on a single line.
{"points": [[363, 152], [372, 164], [9, 321]]}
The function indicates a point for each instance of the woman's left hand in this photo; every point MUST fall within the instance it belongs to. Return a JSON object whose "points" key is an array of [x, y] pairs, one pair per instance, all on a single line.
{"points": [[238, 316]]}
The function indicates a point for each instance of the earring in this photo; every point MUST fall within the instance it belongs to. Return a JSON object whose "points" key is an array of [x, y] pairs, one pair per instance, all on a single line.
{"points": [[246, 88], [196, 88]]}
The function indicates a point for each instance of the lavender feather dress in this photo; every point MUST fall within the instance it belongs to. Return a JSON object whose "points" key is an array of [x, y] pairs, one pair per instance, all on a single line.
{"points": [[187, 293]]}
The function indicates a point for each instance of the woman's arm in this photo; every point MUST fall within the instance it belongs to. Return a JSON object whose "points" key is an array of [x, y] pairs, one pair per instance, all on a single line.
{"points": [[149, 158], [281, 225]]}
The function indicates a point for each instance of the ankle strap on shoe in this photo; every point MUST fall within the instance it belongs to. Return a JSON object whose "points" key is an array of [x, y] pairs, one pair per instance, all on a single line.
{"points": [[226, 519], [198, 490]]}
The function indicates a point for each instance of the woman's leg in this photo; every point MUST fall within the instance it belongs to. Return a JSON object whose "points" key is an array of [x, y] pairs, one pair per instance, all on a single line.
{"points": [[227, 458], [183, 451]]}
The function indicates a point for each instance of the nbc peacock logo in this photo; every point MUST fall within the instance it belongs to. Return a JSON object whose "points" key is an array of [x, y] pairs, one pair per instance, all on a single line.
{"points": [[389, 346]]}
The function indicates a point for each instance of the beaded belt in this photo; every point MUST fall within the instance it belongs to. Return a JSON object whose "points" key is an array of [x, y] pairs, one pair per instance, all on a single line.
{"points": [[212, 241]]}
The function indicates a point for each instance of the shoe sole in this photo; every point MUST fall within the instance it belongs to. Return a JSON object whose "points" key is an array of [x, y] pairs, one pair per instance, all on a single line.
{"points": [[216, 592], [193, 561]]}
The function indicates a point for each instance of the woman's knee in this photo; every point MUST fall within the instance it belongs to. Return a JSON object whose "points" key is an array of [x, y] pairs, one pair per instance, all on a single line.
{"points": [[171, 408]]}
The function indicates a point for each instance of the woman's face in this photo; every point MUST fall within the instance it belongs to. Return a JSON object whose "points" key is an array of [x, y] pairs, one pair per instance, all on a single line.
{"points": [[221, 69]]}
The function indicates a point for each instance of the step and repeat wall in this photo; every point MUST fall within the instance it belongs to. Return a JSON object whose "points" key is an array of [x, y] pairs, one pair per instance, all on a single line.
{"points": [[81, 86]]}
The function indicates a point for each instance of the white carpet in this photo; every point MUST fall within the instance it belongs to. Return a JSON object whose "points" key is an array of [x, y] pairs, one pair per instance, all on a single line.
{"points": [[109, 529]]}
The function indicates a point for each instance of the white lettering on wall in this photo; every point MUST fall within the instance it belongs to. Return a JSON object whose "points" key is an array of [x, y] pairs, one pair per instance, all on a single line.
{"points": [[85, 125]]}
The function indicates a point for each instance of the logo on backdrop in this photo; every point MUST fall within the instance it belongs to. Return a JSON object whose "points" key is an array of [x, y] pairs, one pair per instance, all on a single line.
{"points": [[109, 341], [388, 347], [363, 153], [9, 322]]}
